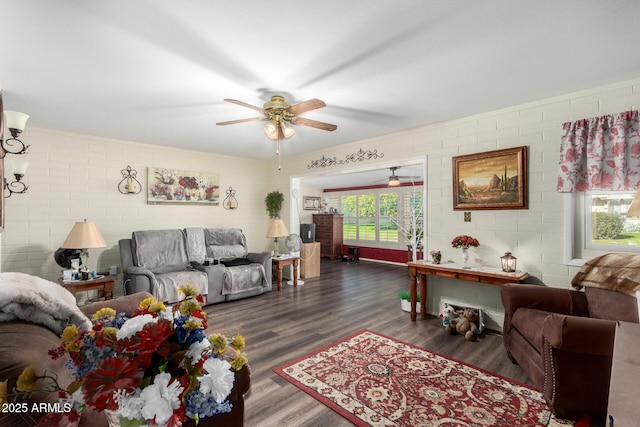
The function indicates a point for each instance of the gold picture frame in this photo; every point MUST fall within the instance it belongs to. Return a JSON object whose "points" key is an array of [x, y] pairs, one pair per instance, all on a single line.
{"points": [[491, 180], [311, 203]]}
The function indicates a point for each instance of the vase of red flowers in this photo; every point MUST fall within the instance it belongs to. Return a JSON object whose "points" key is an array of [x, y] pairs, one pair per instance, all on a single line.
{"points": [[464, 242]]}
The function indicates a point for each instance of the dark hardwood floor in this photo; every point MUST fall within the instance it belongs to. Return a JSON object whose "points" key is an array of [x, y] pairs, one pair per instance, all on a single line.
{"points": [[347, 297]]}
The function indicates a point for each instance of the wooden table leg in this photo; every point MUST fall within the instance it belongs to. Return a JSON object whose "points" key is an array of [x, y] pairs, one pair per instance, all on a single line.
{"points": [[295, 273], [108, 290], [279, 277], [423, 295], [412, 292]]}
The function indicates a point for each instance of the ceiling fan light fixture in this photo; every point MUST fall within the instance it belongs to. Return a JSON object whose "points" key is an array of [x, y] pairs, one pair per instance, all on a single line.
{"points": [[393, 181], [287, 130], [271, 130]]}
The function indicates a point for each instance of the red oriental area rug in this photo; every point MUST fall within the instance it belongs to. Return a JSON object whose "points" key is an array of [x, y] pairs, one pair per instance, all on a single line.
{"points": [[373, 380]]}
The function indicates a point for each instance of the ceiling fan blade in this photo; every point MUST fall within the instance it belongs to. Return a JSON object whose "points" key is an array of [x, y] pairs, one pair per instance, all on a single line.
{"points": [[244, 104], [313, 123], [303, 107], [233, 122]]}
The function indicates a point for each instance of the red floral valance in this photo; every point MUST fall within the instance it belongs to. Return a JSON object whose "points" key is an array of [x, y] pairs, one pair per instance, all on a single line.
{"points": [[601, 153]]}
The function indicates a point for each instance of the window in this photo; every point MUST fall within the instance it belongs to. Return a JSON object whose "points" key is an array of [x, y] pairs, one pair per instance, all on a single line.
{"points": [[610, 226], [367, 217], [371, 216], [602, 225], [350, 216], [388, 210]]}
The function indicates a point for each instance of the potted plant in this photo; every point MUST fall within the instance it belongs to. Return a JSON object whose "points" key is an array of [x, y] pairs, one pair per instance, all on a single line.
{"points": [[273, 201], [405, 300]]}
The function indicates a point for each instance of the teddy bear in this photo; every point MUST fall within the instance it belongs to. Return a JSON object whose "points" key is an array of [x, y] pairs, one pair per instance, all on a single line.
{"points": [[465, 324], [448, 313]]}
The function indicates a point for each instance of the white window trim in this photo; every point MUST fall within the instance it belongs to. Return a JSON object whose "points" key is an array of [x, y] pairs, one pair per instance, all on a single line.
{"points": [[576, 207]]}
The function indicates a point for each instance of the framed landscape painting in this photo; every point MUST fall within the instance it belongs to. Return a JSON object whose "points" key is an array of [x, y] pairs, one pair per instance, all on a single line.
{"points": [[179, 187], [491, 180]]}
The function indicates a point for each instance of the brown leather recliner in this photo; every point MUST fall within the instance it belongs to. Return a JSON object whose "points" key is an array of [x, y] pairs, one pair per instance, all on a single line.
{"points": [[23, 343], [563, 339]]}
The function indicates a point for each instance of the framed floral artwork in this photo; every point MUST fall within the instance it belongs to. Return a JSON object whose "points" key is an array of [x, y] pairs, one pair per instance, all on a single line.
{"points": [[491, 180], [180, 187]]}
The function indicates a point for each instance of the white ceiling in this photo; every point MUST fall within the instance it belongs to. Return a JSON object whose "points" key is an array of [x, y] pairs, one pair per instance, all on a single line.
{"points": [[157, 71]]}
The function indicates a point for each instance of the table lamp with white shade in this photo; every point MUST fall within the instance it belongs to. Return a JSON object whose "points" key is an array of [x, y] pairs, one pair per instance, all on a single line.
{"points": [[84, 236]]}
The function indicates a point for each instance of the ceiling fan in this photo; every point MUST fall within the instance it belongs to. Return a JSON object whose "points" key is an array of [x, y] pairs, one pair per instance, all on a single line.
{"points": [[393, 179], [278, 113]]}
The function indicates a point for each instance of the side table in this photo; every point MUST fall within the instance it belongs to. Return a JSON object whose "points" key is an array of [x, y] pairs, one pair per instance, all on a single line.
{"points": [[104, 285], [310, 260], [281, 262]]}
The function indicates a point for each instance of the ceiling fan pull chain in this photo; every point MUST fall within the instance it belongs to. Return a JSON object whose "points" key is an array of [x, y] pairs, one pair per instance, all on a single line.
{"points": [[278, 152]]}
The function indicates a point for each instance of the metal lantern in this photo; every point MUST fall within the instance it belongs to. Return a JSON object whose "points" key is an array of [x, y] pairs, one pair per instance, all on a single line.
{"points": [[508, 262]]}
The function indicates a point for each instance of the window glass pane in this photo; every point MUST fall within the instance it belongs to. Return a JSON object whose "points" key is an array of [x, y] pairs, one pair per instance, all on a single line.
{"points": [[349, 206], [349, 229], [389, 205], [367, 205], [388, 231], [610, 226], [367, 229]]}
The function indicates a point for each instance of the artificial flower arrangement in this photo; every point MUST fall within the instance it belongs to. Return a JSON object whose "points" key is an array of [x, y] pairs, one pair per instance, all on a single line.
{"points": [[157, 367], [464, 241]]}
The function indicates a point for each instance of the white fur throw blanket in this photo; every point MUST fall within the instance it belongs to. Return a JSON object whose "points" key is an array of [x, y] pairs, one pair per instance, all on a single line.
{"points": [[36, 300]]}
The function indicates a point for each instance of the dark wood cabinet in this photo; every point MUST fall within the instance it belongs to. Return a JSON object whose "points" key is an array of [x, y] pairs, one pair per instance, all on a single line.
{"points": [[329, 234]]}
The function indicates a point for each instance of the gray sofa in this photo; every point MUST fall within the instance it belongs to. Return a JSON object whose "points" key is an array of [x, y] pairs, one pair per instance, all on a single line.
{"points": [[158, 261]]}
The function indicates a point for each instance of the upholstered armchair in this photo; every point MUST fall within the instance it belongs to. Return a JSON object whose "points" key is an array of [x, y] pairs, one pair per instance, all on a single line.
{"points": [[563, 339]]}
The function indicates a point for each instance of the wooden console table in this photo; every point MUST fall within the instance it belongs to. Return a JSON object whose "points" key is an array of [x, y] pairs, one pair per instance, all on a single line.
{"points": [[421, 269]]}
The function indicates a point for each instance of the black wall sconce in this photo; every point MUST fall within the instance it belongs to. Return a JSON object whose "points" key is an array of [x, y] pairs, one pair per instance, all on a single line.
{"points": [[15, 122], [230, 202], [17, 186], [129, 183]]}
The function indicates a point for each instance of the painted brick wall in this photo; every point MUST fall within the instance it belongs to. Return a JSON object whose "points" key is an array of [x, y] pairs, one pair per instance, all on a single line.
{"points": [[72, 177], [534, 235]]}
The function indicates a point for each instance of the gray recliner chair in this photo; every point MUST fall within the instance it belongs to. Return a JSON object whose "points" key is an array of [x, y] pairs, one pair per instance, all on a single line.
{"points": [[156, 261]]}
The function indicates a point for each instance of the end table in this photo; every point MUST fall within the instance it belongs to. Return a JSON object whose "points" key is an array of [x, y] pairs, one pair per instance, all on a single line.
{"points": [[104, 285], [281, 262]]}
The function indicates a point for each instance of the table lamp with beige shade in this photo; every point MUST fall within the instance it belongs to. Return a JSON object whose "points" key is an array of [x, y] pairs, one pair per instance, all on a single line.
{"points": [[84, 235], [277, 229], [634, 208]]}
